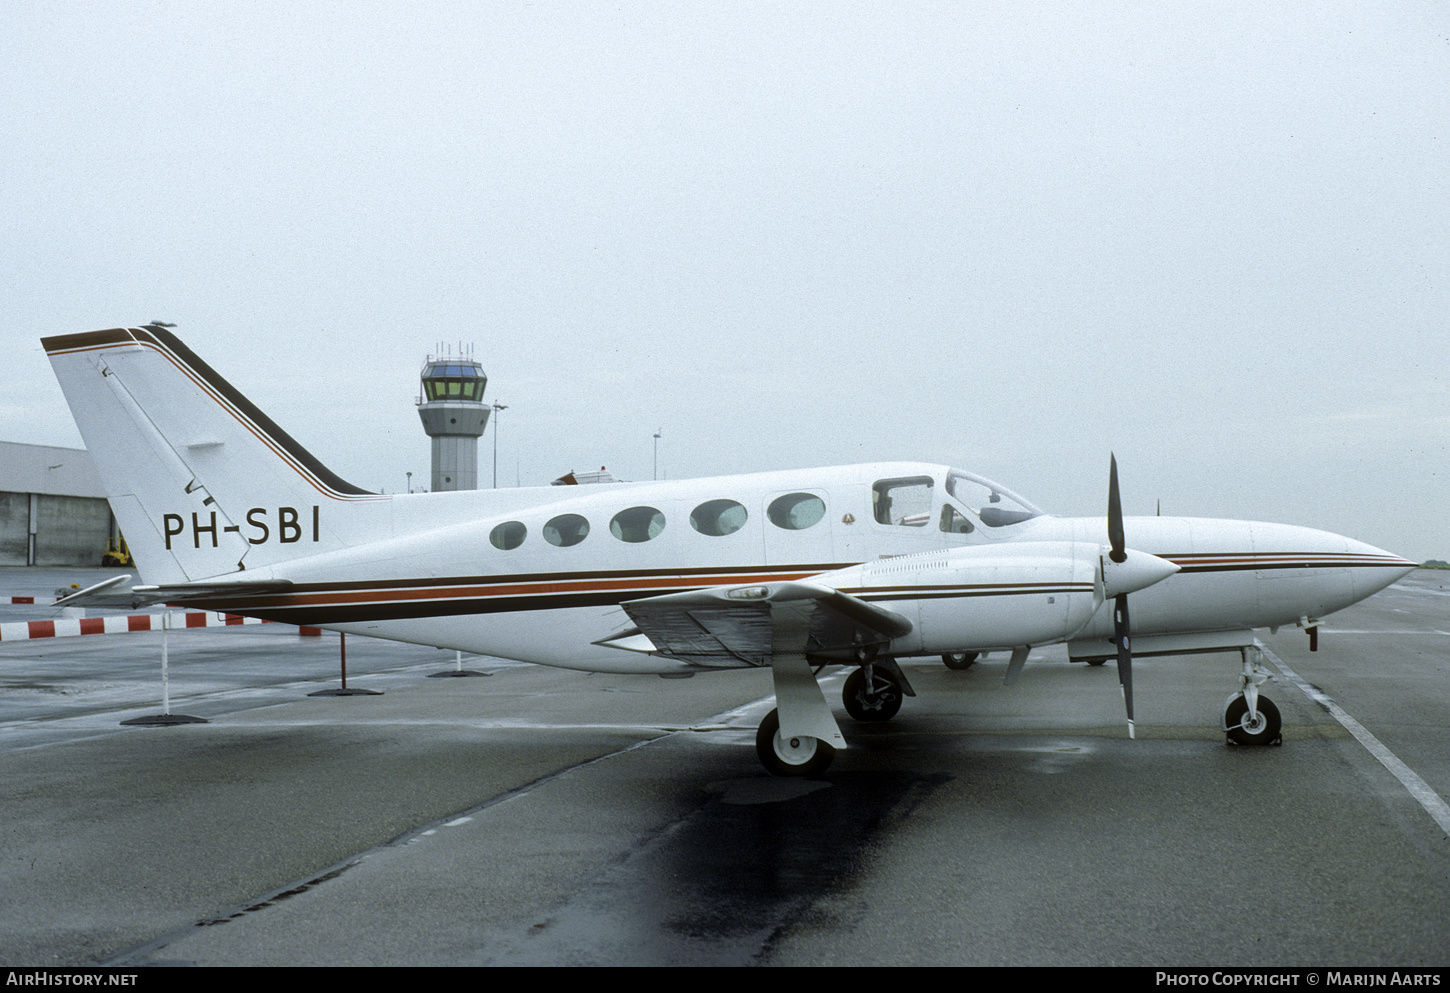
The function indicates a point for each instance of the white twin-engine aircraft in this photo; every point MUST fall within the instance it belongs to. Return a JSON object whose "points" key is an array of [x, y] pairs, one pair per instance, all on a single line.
{"points": [[854, 566]]}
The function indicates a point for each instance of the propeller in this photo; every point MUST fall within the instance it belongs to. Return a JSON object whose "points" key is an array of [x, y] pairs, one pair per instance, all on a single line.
{"points": [[1118, 553], [1120, 572]]}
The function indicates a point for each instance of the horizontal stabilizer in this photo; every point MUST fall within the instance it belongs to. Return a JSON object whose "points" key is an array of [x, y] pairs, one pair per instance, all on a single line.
{"points": [[114, 594]]}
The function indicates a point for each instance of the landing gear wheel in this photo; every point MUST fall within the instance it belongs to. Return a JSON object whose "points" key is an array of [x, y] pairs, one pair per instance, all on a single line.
{"points": [[1096, 662], [1243, 731], [960, 660], [800, 756], [873, 707]]}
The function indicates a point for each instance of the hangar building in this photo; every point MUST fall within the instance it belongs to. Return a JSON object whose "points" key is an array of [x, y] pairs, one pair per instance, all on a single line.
{"points": [[53, 511]]}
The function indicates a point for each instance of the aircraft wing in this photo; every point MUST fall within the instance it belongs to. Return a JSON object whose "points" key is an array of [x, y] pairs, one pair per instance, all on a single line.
{"points": [[724, 626], [113, 593]]}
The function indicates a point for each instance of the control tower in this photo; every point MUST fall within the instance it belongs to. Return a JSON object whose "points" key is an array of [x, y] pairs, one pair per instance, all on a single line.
{"points": [[454, 415]]}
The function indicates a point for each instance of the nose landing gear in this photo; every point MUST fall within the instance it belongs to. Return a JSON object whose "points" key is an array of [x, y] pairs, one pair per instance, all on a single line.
{"points": [[1248, 717], [1245, 728]]}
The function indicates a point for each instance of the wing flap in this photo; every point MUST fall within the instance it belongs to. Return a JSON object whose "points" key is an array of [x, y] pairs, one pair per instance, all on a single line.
{"points": [[725, 626]]}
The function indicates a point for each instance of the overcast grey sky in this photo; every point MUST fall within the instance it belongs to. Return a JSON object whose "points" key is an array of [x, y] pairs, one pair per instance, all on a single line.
{"points": [[1212, 238]]}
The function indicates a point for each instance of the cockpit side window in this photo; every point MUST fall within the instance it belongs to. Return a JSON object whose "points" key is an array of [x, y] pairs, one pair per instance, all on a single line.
{"points": [[954, 521], [993, 507], [902, 502]]}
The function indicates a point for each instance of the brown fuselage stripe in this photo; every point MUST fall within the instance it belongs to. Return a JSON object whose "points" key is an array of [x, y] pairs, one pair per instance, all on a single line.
{"points": [[461, 601], [1239, 562]]}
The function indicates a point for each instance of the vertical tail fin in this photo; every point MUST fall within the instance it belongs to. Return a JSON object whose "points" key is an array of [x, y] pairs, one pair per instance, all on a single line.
{"points": [[202, 482]]}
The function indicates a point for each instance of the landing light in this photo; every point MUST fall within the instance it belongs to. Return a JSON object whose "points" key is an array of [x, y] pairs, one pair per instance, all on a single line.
{"points": [[750, 593]]}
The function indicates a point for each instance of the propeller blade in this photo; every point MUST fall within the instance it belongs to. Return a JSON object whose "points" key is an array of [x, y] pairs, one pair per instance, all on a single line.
{"points": [[1116, 543], [1118, 553], [1122, 639]]}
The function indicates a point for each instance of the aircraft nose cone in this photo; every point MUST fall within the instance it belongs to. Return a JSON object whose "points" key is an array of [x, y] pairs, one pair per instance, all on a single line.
{"points": [[1370, 569], [1139, 571], [1374, 568]]}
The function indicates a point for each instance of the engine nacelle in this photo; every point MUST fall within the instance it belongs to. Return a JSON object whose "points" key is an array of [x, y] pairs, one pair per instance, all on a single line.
{"points": [[995, 596]]}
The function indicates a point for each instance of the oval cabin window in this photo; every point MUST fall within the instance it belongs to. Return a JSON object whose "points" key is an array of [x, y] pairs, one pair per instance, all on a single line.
{"points": [[507, 535], [796, 511], [566, 530], [718, 518], [637, 524]]}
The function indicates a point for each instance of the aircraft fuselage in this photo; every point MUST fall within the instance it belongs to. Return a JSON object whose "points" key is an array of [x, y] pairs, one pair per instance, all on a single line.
{"points": [[939, 564]]}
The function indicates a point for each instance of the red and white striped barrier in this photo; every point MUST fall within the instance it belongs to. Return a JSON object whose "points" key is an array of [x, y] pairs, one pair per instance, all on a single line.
{"points": [[44, 600], [66, 627]]}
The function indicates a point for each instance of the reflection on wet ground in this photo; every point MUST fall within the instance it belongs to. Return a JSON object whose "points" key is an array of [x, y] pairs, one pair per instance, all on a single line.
{"points": [[722, 884]]}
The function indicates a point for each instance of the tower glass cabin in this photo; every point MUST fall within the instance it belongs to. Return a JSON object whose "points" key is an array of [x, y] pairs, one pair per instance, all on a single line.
{"points": [[454, 416]]}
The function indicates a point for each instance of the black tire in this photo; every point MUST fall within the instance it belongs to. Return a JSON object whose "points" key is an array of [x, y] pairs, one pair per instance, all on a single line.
{"points": [[1096, 661], [960, 660], [1267, 733], [797, 757], [882, 707]]}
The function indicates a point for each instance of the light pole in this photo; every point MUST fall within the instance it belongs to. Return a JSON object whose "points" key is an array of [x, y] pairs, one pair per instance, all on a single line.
{"points": [[410, 482], [496, 408], [657, 453]]}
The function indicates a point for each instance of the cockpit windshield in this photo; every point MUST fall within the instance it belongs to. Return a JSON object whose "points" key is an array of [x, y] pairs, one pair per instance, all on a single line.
{"points": [[994, 506]]}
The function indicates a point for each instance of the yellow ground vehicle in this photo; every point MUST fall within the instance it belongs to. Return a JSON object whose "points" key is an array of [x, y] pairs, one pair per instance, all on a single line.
{"points": [[117, 553]]}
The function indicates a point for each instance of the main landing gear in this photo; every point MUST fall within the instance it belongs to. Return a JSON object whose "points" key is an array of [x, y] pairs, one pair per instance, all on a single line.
{"points": [[873, 693], [960, 660], [797, 755], [799, 737], [1248, 718]]}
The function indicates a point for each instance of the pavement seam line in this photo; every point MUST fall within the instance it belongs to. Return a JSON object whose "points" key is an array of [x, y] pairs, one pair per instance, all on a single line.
{"points": [[1432, 802], [140, 954]]}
